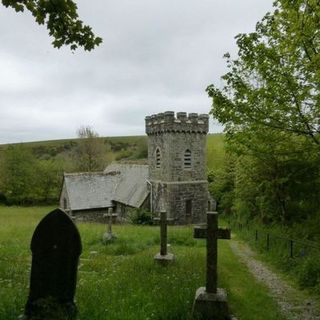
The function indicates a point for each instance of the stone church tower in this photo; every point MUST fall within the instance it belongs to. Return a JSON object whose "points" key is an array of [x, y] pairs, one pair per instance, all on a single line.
{"points": [[177, 165]]}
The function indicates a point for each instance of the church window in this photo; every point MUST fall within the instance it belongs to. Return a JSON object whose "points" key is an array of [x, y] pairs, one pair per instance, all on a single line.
{"points": [[158, 158], [187, 159], [65, 203], [188, 207]]}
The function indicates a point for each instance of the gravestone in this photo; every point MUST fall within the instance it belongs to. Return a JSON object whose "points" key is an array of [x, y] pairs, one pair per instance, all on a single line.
{"points": [[108, 236], [56, 247], [163, 257], [210, 301]]}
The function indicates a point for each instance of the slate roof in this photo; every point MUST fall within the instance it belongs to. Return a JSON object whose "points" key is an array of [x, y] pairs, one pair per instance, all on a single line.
{"points": [[131, 188], [90, 190], [125, 183]]}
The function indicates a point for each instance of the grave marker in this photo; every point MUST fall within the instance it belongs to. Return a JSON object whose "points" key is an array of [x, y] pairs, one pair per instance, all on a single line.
{"points": [[210, 301], [163, 256], [56, 247], [108, 236]]}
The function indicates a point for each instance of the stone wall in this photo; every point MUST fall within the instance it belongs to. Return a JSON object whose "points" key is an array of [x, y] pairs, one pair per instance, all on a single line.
{"points": [[177, 197], [93, 215]]}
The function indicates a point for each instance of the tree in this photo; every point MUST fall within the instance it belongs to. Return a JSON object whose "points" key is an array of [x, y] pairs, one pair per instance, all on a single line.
{"points": [[62, 21], [270, 106], [90, 152], [275, 81], [49, 180], [18, 171], [269, 176], [221, 184]]}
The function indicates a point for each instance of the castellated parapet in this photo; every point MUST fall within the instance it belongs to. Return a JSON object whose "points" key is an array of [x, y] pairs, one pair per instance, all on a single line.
{"points": [[167, 122]]}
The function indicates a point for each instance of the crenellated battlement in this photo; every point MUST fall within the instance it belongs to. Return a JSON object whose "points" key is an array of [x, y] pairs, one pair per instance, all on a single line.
{"points": [[168, 122]]}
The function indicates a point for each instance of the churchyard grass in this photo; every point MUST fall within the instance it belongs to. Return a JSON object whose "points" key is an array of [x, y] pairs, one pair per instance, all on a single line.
{"points": [[121, 280]]}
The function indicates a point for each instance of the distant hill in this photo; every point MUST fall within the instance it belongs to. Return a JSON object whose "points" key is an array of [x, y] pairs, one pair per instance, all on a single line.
{"points": [[130, 148]]}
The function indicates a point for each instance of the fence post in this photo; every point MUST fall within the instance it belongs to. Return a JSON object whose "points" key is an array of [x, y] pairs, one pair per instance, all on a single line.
{"points": [[291, 248], [268, 241]]}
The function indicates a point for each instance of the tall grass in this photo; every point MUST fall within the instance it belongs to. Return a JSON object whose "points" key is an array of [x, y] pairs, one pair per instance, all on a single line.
{"points": [[121, 280]]}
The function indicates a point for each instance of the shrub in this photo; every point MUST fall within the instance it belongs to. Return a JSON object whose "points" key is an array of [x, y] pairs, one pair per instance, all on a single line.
{"points": [[3, 198], [140, 216], [309, 272], [124, 154]]}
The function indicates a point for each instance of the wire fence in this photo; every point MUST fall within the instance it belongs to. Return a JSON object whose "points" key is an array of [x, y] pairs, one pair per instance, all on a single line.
{"points": [[270, 242]]}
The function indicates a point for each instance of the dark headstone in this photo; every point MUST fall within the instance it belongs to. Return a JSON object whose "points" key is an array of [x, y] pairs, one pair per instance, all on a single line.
{"points": [[56, 247]]}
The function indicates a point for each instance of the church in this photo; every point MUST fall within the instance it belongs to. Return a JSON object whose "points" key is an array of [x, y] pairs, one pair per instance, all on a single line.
{"points": [[174, 180]]}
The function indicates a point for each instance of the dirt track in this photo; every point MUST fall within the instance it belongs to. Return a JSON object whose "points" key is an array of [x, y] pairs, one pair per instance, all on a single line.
{"points": [[290, 300]]}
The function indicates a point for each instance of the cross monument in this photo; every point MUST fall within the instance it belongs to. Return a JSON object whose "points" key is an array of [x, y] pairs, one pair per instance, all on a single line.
{"points": [[109, 236], [163, 257], [210, 301]]}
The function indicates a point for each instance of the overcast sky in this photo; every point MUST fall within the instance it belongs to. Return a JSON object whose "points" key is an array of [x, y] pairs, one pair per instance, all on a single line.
{"points": [[156, 55]]}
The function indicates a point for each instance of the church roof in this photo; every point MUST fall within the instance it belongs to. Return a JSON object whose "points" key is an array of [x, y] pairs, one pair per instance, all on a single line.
{"points": [[131, 188], [89, 190], [125, 183]]}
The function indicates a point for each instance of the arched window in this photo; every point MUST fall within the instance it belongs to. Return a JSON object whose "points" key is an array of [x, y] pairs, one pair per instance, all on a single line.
{"points": [[158, 158], [187, 159], [65, 203]]}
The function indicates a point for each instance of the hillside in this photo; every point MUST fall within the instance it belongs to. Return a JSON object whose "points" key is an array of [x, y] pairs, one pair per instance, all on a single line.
{"points": [[117, 148]]}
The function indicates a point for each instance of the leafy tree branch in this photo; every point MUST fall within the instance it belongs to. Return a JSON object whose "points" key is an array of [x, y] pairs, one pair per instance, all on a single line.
{"points": [[275, 81], [62, 21]]}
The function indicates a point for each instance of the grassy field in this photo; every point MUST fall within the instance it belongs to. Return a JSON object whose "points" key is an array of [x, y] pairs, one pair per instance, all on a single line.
{"points": [[121, 280], [215, 150]]}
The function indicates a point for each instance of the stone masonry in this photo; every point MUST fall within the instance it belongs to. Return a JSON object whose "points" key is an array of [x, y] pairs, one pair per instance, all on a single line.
{"points": [[177, 165]]}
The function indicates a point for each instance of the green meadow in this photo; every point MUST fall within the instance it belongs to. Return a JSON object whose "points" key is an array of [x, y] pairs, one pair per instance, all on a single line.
{"points": [[215, 150], [126, 147], [121, 280]]}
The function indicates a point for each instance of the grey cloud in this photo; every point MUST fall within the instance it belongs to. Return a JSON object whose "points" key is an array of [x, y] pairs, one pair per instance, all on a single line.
{"points": [[156, 56]]}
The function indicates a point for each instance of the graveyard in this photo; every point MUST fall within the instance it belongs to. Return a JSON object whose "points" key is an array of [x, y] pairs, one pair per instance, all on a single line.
{"points": [[231, 229], [121, 280], [59, 265]]}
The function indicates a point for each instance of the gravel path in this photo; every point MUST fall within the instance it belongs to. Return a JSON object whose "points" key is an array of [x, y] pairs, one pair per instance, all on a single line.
{"points": [[290, 300]]}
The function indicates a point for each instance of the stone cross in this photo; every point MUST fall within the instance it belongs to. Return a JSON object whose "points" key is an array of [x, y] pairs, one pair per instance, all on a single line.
{"points": [[163, 256], [110, 220], [56, 247], [211, 302], [109, 236], [212, 233]]}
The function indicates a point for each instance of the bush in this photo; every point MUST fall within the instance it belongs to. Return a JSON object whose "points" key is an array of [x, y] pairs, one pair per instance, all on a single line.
{"points": [[309, 273], [124, 154], [140, 216], [3, 198]]}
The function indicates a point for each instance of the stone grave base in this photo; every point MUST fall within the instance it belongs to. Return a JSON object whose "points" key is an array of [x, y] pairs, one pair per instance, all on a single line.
{"points": [[164, 259], [49, 309], [207, 306], [108, 237]]}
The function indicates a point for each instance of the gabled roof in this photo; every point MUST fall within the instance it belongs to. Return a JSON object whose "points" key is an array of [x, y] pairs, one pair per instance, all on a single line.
{"points": [[125, 183], [131, 188], [90, 190]]}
